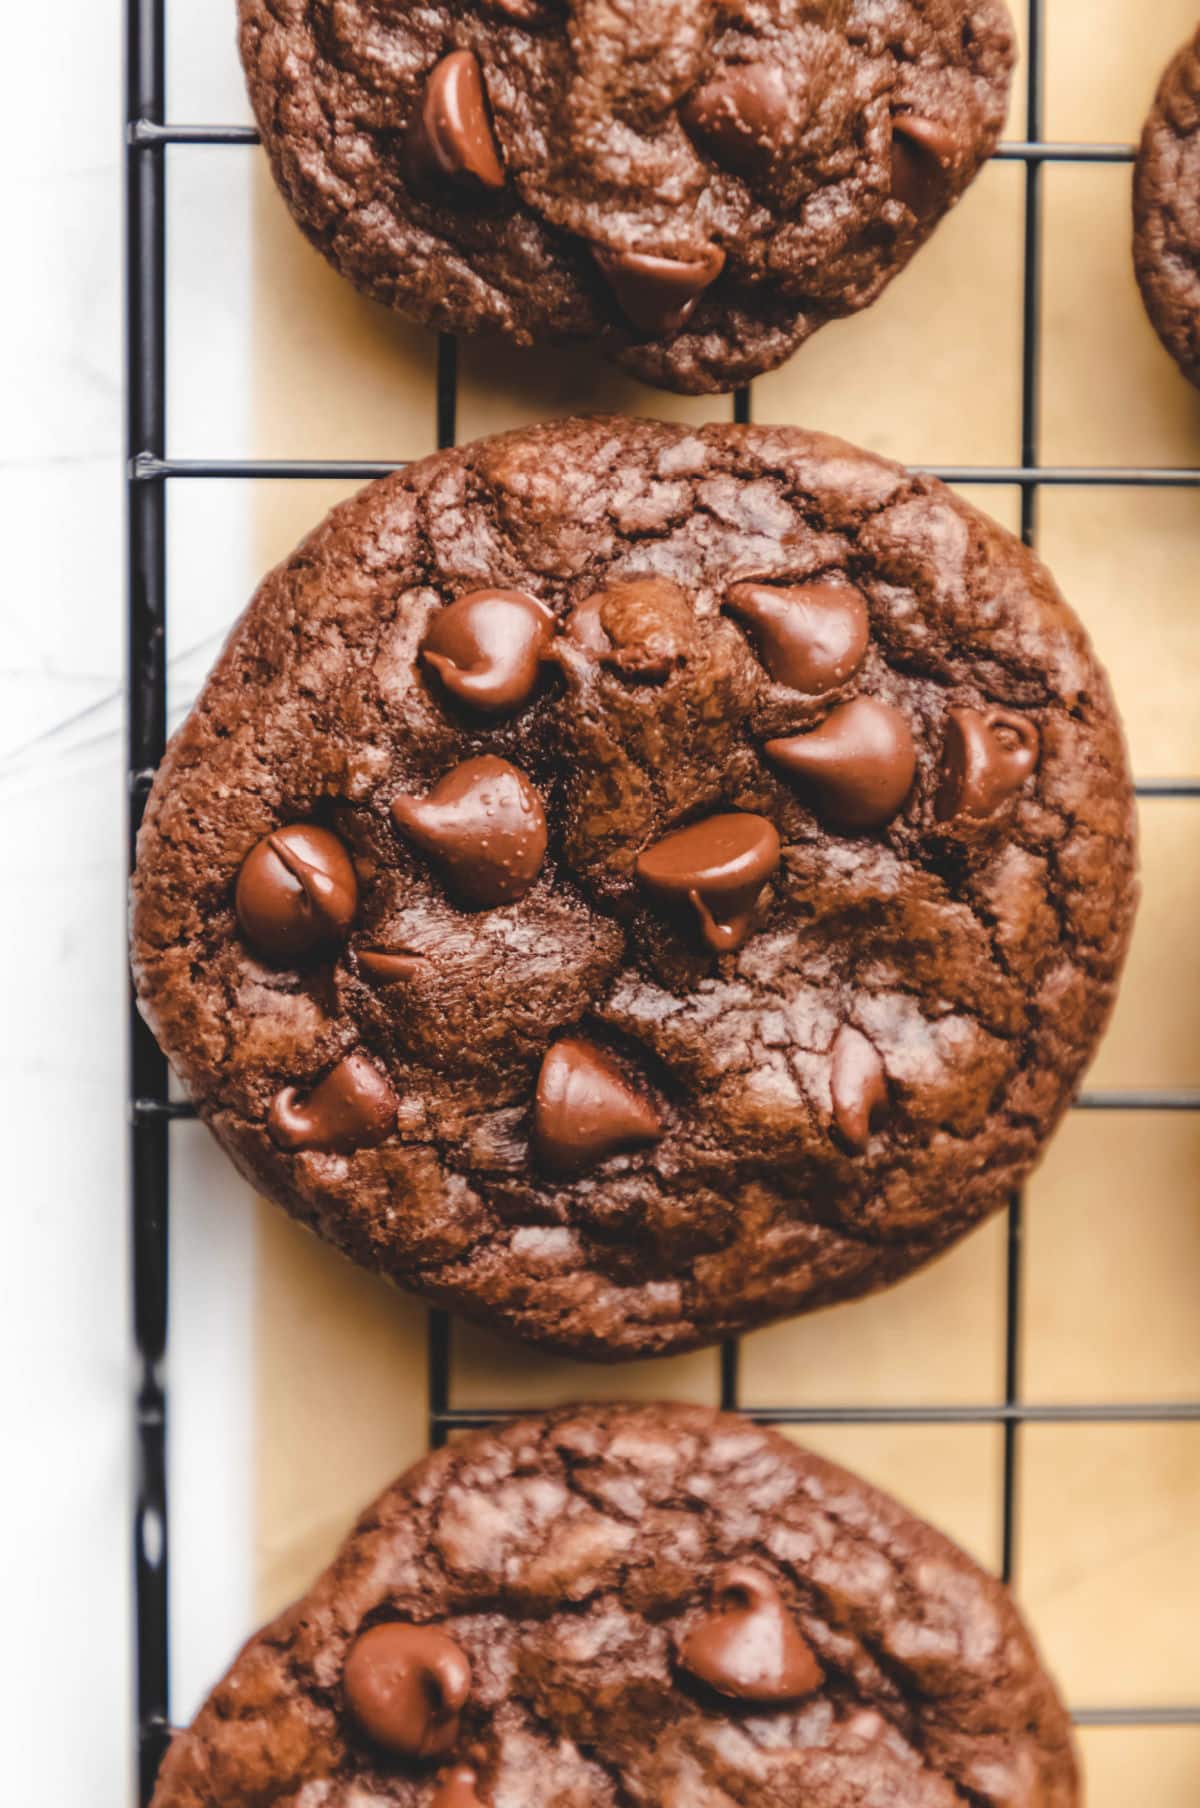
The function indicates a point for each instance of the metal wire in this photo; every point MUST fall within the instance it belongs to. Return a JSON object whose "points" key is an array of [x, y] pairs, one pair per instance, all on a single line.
{"points": [[150, 470]]}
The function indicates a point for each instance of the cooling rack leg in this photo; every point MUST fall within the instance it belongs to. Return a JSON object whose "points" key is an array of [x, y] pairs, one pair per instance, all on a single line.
{"points": [[1030, 417], [146, 563]]}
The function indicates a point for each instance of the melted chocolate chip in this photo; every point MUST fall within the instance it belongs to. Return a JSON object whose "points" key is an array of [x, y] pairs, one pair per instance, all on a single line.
{"points": [[639, 628], [811, 637], [353, 1107], [859, 764], [458, 1788], [487, 648], [484, 825], [720, 866], [658, 293], [296, 892], [922, 151], [986, 757], [585, 1109], [858, 1084], [406, 1686], [452, 134], [387, 965], [740, 115], [748, 1646]]}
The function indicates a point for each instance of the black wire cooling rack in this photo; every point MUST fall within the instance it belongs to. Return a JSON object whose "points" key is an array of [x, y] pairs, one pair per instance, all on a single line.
{"points": [[150, 474]]}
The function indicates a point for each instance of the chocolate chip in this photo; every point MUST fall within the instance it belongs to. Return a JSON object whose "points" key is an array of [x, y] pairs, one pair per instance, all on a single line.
{"points": [[859, 764], [485, 827], [720, 866], [353, 1107], [296, 892], [740, 115], [452, 135], [458, 1788], [986, 757], [922, 151], [406, 1687], [387, 965], [811, 637], [639, 628], [858, 1084], [585, 1109], [658, 293], [488, 646], [748, 1646]]}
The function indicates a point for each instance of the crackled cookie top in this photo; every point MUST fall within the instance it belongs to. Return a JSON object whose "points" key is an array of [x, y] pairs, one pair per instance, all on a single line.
{"points": [[695, 184], [1166, 211], [631, 882], [655, 1606]]}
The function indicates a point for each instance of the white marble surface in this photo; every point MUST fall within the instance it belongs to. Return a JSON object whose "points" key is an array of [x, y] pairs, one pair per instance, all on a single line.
{"points": [[64, 1336]]}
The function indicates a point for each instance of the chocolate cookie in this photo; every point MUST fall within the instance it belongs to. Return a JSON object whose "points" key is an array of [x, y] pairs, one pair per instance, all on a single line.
{"points": [[1166, 211], [629, 882], [655, 1605], [696, 185]]}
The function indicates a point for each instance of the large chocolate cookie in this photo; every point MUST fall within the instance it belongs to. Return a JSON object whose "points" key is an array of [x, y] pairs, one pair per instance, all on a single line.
{"points": [[1166, 211], [629, 882], [695, 184], [621, 1605]]}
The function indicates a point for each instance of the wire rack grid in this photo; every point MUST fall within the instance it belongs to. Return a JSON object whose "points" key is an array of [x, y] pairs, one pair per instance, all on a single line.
{"points": [[150, 473]]}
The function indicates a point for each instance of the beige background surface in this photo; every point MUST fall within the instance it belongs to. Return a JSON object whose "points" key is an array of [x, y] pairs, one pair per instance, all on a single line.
{"points": [[1108, 1529]]}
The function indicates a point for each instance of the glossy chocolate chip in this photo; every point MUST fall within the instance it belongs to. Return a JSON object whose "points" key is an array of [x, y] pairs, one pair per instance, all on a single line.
{"points": [[720, 866], [484, 826], [452, 136], [296, 892], [740, 115], [748, 1646], [585, 1109], [658, 293], [922, 152], [458, 1788], [987, 756], [384, 966], [858, 1084], [353, 1107], [488, 646], [858, 765], [406, 1687], [811, 637], [639, 628]]}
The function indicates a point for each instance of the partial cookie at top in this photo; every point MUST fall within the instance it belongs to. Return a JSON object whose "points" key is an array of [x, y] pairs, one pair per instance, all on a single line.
{"points": [[694, 185], [618, 1605], [629, 883], [1166, 211]]}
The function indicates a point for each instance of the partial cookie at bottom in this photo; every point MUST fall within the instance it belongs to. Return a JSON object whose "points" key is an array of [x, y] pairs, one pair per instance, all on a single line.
{"points": [[615, 1605]]}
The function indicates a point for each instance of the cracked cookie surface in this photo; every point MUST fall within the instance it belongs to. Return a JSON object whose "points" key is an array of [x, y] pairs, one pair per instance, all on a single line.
{"points": [[1166, 211], [629, 883], [694, 185], [635, 1607]]}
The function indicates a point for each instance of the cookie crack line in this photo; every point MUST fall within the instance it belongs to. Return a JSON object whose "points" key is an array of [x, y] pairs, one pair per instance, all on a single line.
{"points": [[625, 943], [697, 204]]}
